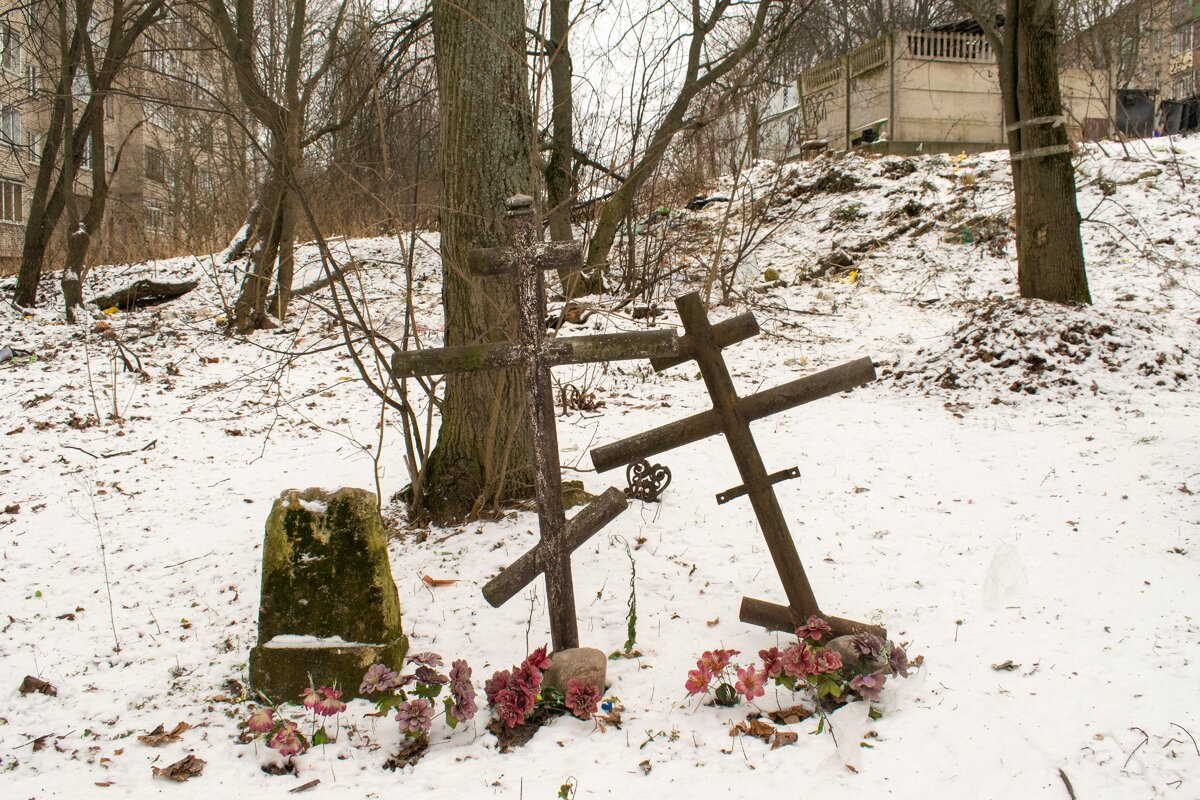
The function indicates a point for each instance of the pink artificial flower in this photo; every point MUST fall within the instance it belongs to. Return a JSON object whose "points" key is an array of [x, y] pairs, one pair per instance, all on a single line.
{"points": [[827, 661], [287, 740], [772, 661], [262, 720], [329, 706], [310, 698], [493, 685], [538, 659], [509, 708], [798, 661], [868, 686], [750, 682], [698, 680], [814, 629], [716, 660], [582, 698]]}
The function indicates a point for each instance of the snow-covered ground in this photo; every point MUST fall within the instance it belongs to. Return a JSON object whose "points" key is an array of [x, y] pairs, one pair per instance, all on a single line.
{"points": [[1018, 487]]}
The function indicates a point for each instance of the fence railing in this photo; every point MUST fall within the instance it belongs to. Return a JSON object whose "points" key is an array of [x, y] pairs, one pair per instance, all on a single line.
{"points": [[869, 56], [946, 46]]}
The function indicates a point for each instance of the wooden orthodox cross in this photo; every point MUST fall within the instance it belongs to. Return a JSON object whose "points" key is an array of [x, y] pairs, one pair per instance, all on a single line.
{"points": [[534, 354], [731, 416]]}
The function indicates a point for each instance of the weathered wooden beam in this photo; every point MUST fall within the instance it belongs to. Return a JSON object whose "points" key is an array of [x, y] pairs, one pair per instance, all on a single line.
{"points": [[775, 617], [546, 256], [708, 423], [555, 352], [730, 332], [519, 574], [144, 291]]}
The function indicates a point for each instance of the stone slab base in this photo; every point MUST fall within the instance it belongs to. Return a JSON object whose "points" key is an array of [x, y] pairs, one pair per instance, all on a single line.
{"points": [[282, 671]]}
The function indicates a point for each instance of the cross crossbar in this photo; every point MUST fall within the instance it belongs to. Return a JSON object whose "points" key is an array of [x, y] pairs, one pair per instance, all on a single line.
{"points": [[555, 352]]}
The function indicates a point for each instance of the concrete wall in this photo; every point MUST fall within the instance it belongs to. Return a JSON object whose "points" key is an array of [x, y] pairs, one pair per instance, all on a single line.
{"points": [[941, 102]]}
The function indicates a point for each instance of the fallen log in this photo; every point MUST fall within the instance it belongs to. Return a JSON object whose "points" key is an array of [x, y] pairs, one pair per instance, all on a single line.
{"points": [[144, 291]]}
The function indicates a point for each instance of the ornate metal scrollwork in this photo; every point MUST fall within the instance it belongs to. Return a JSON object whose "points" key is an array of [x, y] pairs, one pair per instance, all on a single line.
{"points": [[647, 481]]}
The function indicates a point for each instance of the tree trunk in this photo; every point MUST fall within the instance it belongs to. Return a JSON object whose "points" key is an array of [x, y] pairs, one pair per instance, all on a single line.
{"points": [[560, 174], [482, 453], [79, 240], [1049, 248]]}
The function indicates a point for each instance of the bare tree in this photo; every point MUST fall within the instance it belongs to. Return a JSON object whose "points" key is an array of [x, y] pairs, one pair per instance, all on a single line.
{"points": [[1049, 247], [91, 54]]}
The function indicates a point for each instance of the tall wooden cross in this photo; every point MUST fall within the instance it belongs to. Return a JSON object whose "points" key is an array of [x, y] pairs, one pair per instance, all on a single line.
{"points": [[732, 415], [534, 354]]}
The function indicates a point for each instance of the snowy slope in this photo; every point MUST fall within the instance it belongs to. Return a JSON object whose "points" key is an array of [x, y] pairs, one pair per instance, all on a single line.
{"points": [[1054, 525]]}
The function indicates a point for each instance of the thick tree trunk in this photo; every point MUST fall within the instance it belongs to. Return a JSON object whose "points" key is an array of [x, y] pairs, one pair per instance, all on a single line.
{"points": [[1049, 248], [79, 240], [482, 453]]}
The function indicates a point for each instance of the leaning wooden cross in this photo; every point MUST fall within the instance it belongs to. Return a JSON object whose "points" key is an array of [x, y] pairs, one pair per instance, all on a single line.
{"points": [[731, 416], [534, 354]]}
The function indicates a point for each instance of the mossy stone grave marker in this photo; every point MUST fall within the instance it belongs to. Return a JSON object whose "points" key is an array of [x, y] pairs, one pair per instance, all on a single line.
{"points": [[329, 608]]}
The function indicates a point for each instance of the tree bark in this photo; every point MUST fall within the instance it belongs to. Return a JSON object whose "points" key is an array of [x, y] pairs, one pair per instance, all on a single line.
{"points": [[482, 454], [1050, 262]]}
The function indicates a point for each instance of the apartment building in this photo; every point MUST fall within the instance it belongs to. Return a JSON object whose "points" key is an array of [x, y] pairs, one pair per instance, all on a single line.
{"points": [[167, 134]]}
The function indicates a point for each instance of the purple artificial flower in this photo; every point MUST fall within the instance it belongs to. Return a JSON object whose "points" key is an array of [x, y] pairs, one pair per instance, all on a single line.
{"points": [[867, 645], [869, 686], [898, 661], [378, 679], [462, 690], [428, 659], [814, 629], [430, 675], [261, 721], [415, 716], [582, 698]]}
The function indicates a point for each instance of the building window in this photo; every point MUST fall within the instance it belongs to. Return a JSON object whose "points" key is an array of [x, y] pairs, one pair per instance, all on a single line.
{"points": [[110, 158], [33, 147], [110, 107], [85, 158], [11, 207], [31, 79], [156, 218], [10, 40], [155, 167], [10, 125]]}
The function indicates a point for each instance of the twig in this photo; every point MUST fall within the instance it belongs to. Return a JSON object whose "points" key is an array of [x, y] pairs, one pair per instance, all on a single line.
{"points": [[1145, 738], [1189, 735], [186, 560], [304, 786], [1067, 782], [104, 564], [80, 449]]}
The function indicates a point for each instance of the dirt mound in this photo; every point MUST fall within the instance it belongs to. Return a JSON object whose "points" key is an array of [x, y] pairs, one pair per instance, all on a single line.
{"points": [[1014, 347]]}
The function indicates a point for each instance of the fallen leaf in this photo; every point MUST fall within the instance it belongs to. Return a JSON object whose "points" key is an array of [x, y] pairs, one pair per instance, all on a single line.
{"points": [[783, 738], [187, 767], [713, 622], [160, 735], [32, 684], [1005, 666], [13, 508], [790, 715], [755, 727], [40, 742], [104, 783], [646, 767], [438, 581]]}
